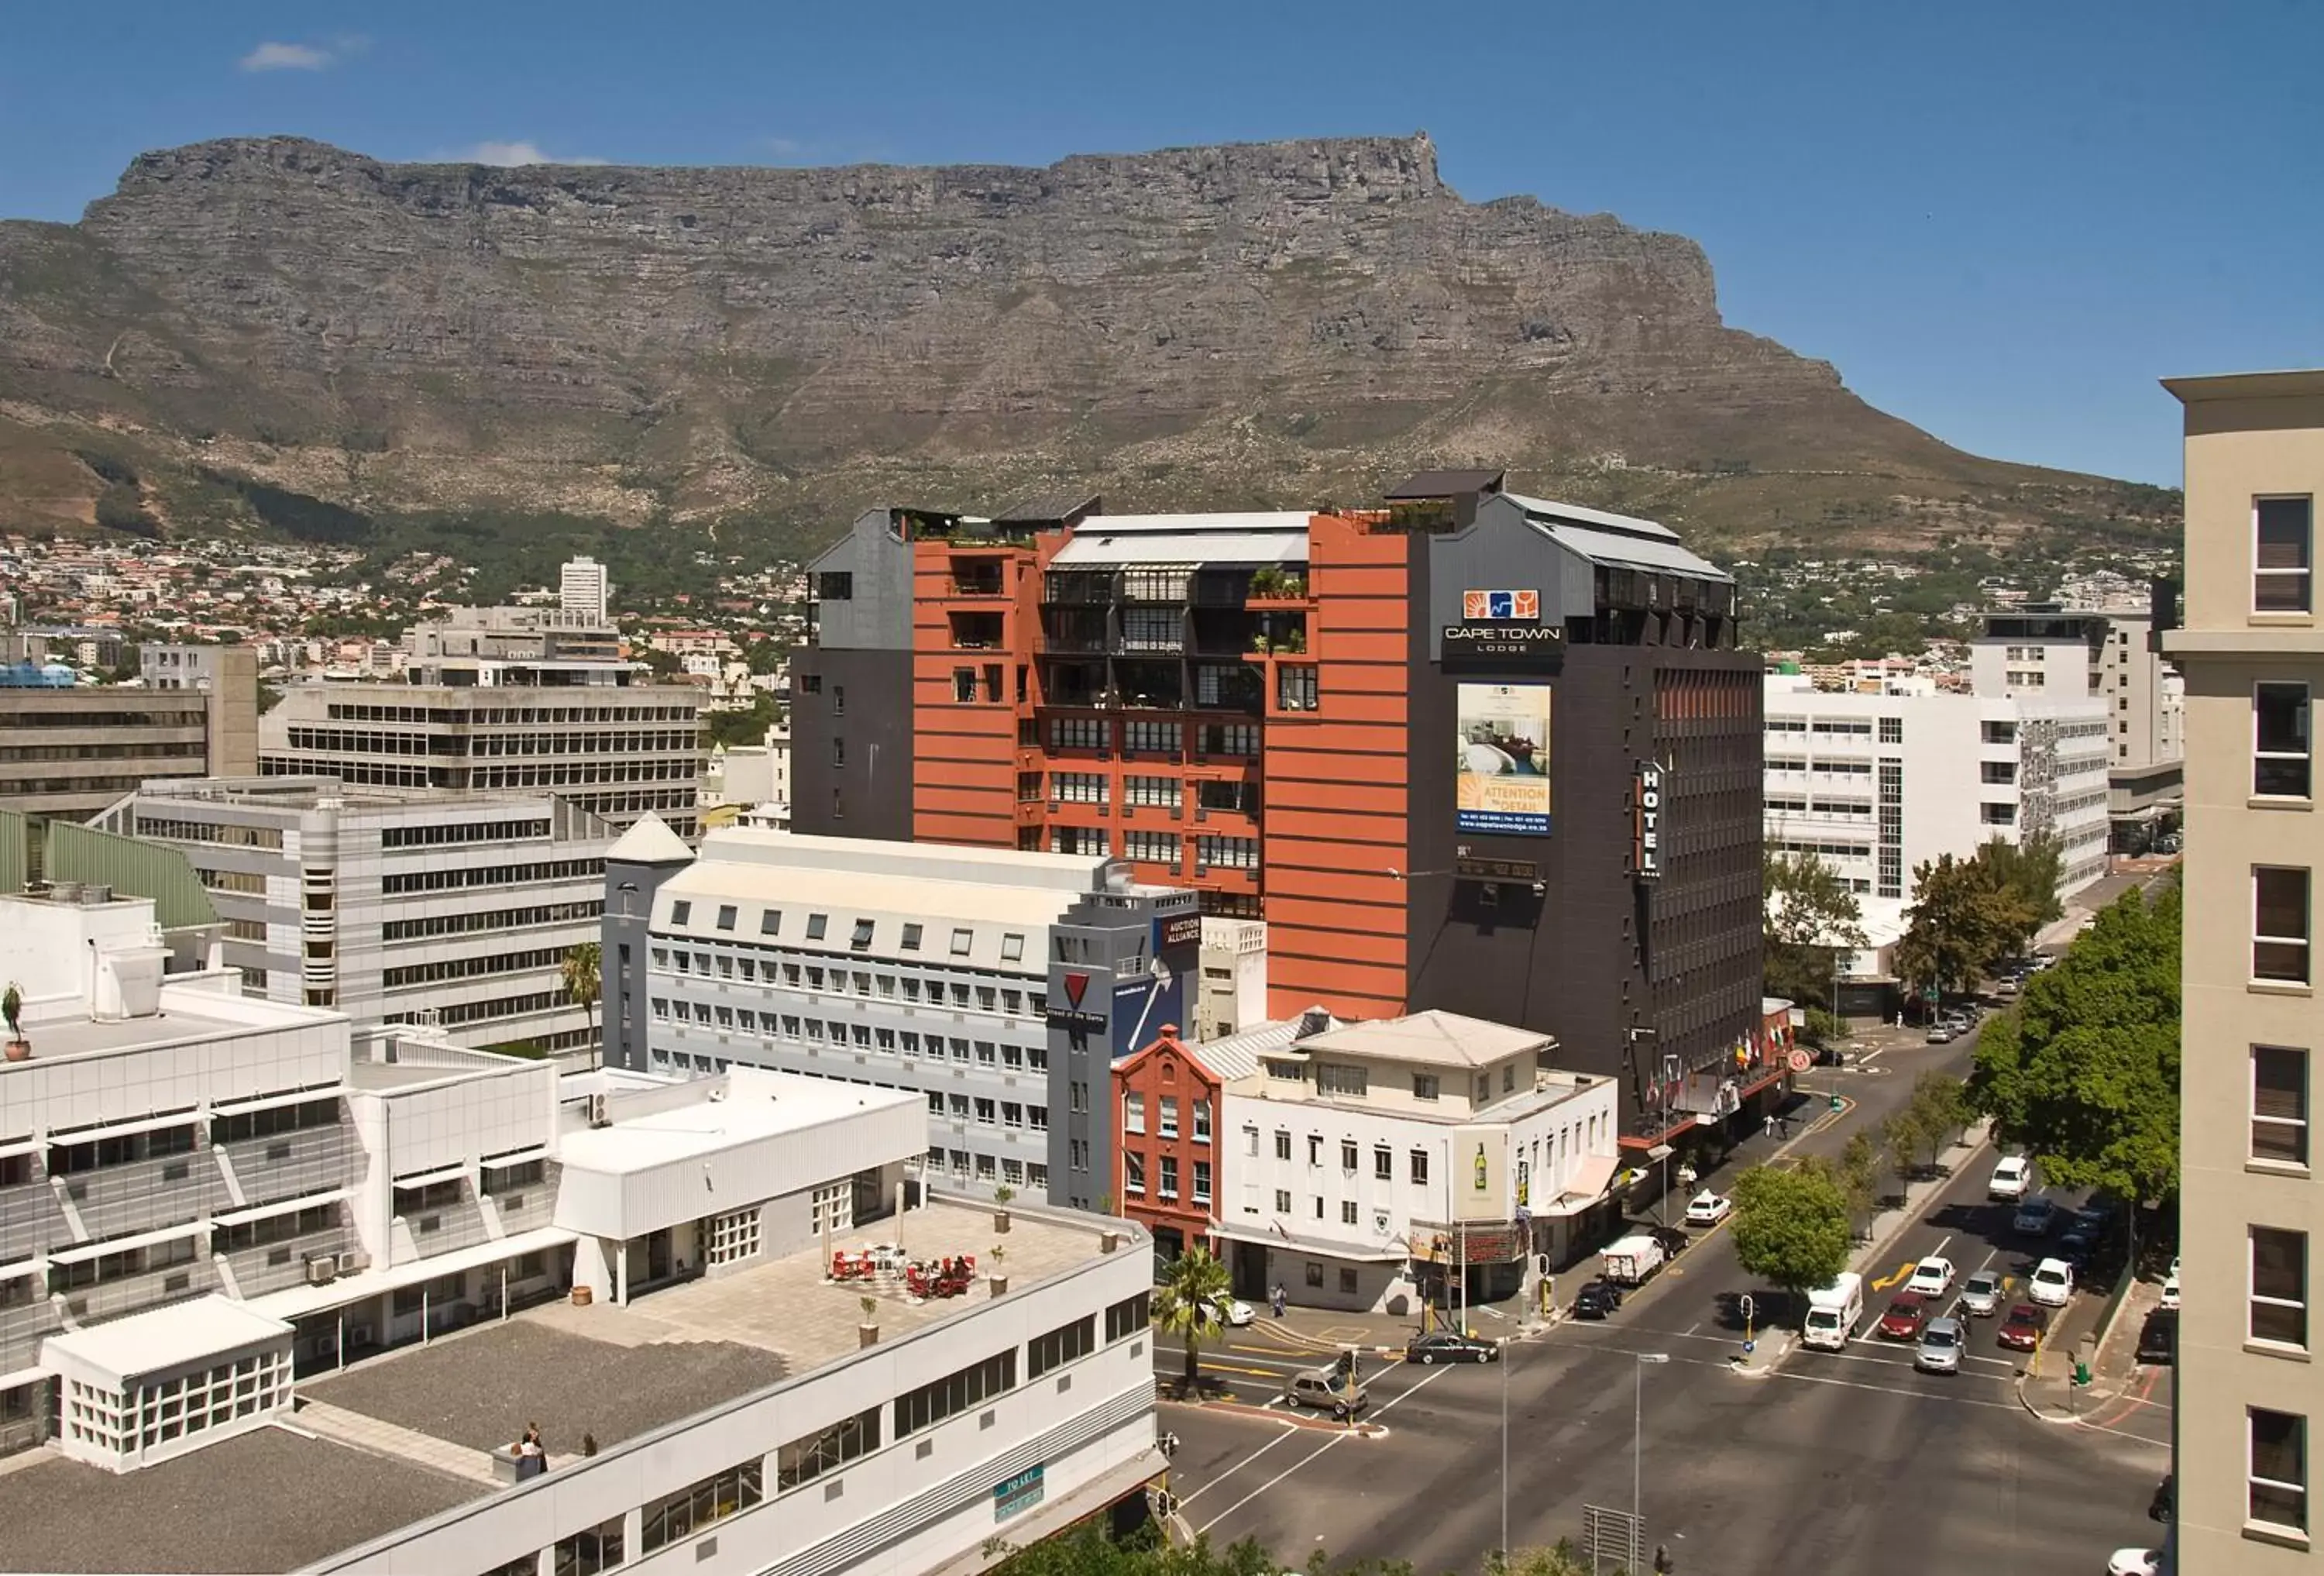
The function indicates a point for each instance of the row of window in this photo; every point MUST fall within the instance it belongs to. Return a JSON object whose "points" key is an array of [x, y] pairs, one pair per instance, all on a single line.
{"points": [[989, 1111], [969, 992], [224, 834], [461, 831], [815, 1031], [1142, 736], [493, 919], [507, 716], [1016, 1172], [1133, 1176], [500, 875], [862, 932]]}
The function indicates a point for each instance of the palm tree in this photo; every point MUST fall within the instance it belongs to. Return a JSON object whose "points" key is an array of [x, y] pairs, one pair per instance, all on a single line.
{"points": [[582, 983], [1186, 1304]]}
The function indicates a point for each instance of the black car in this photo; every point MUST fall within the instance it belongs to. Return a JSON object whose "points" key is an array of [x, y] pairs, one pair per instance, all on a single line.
{"points": [[2076, 1245], [2158, 1337], [1449, 1346], [2165, 1504], [1597, 1299], [1671, 1240]]}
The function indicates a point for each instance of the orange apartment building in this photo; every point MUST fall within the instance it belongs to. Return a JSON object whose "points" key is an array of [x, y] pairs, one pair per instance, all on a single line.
{"points": [[1296, 713]]}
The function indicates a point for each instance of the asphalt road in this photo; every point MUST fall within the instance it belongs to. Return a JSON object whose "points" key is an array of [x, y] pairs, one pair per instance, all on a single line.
{"points": [[1830, 1462]]}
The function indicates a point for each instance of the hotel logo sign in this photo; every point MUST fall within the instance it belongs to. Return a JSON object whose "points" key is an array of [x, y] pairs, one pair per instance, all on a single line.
{"points": [[1501, 606], [1500, 630], [1645, 821]]}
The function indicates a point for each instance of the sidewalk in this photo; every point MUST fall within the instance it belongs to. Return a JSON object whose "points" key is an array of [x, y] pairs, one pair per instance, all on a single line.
{"points": [[2112, 1353]]}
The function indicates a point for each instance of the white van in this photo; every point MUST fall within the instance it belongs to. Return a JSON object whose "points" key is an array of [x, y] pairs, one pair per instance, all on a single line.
{"points": [[1833, 1313]]}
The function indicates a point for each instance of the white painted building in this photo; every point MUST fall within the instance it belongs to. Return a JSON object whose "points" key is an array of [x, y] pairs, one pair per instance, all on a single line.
{"points": [[1234, 992], [1370, 1165], [414, 907], [1875, 785], [207, 1201], [583, 591]]}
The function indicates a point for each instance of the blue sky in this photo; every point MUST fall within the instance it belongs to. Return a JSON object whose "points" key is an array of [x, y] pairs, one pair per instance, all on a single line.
{"points": [[2001, 221]]}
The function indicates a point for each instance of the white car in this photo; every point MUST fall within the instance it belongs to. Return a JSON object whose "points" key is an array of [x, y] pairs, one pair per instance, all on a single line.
{"points": [[2171, 1286], [2134, 1562], [2011, 1178], [1931, 1278], [1233, 1312], [2053, 1283], [1708, 1209]]}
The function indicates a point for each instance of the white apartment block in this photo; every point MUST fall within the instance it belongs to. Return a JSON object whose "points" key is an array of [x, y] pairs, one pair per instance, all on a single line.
{"points": [[1372, 1165], [1234, 993], [997, 985], [584, 592], [438, 909], [1875, 785], [210, 1204]]}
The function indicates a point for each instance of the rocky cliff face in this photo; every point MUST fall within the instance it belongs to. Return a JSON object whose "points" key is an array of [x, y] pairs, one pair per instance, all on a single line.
{"points": [[1287, 321]]}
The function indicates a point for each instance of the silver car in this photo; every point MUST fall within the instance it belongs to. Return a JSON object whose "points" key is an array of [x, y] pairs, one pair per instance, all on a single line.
{"points": [[1940, 1351], [1980, 1295]]}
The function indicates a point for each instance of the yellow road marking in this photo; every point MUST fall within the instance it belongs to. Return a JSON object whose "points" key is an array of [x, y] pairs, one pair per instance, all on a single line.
{"points": [[1904, 1273]]}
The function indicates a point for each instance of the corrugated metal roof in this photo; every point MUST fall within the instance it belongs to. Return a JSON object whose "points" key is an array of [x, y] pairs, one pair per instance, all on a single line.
{"points": [[1236, 1056], [1102, 548], [1443, 484], [1618, 538], [134, 869], [1575, 513]]}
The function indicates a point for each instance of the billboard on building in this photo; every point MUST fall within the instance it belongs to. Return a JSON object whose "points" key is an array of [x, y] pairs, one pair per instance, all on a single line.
{"points": [[1480, 1173], [1503, 759]]}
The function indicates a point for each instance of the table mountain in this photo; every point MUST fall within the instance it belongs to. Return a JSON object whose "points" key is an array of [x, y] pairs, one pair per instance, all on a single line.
{"points": [[1287, 323]]}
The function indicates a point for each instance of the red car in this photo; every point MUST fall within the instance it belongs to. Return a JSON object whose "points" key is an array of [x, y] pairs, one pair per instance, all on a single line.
{"points": [[2024, 1329], [1904, 1317]]}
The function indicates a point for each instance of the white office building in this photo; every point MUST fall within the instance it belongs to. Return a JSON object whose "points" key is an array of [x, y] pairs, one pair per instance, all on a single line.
{"points": [[997, 985], [1875, 785], [584, 592], [212, 1207], [433, 909], [1370, 1165], [1234, 994]]}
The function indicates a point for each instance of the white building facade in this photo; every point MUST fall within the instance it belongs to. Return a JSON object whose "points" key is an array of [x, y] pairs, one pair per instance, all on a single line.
{"points": [[583, 590], [1374, 1166], [431, 908], [1875, 785]]}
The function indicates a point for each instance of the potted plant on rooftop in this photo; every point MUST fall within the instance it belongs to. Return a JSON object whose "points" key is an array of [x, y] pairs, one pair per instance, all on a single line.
{"points": [[867, 1334], [11, 1006], [1001, 1197], [1000, 1270]]}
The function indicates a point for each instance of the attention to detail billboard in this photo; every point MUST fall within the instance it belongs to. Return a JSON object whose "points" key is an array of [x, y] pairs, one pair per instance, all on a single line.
{"points": [[1503, 766]]}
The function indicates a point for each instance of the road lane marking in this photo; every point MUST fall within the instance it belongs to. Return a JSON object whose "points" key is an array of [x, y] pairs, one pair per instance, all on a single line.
{"points": [[1893, 1390], [1337, 1441], [1903, 1274], [1290, 1430]]}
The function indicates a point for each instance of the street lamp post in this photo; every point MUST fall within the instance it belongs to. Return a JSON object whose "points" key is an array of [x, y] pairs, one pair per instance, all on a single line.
{"points": [[1505, 1451], [1638, 1447]]}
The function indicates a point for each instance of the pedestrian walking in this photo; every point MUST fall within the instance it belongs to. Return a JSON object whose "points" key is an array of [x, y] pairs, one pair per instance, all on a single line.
{"points": [[1275, 1299]]}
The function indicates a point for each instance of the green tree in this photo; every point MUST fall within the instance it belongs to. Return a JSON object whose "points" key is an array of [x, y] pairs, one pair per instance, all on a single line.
{"points": [[1858, 1173], [1900, 1146], [2027, 872], [2083, 1073], [583, 962], [1186, 1304], [1960, 921], [1791, 1226], [1940, 1110], [1808, 915]]}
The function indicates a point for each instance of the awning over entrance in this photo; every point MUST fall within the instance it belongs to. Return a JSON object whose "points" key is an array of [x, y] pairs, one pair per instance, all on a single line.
{"points": [[1388, 1253], [1587, 1186]]}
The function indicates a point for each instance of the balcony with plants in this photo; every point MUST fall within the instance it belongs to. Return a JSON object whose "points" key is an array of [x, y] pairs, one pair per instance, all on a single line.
{"points": [[977, 631], [1278, 585]]}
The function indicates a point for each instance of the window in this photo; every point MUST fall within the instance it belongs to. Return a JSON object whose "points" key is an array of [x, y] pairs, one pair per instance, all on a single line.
{"points": [[1169, 1176], [1282, 1201], [591, 1550], [2278, 1482], [1424, 1086], [2000, 732], [1295, 688], [1282, 1144], [1347, 1212], [725, 916], [1160, 792], [1060, 1346], [912, 940], [2279, 1285], [680, 912], [1012, 948], [1201, 1121], [1134, 1111], [1201, 1182], [1314, 1149], [1133, 1171], [1078, 787], [2282, 529], [2279, 1117], [1347, 1280], [1999, 814], [805, 1459], [2281, 746], [818, 926], [1227, 853], [1168, 1108], [1997, 772], [931, 1404], [963, 685], [1151, 847], [1314, 1270], [1126, 1317], [1892, 730], [1384, 1164], [861, 940], [1420, 1167], [681, 1515], [1347, 1155], [961, 939], [2280, 924], [1342, 1078]]}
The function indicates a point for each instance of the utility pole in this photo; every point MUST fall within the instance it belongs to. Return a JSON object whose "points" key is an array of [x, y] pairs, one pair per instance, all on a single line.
{"points": [[1638, 1450]]}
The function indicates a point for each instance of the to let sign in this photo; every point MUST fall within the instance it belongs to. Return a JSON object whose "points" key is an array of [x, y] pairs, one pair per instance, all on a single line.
{"points": [[1016, 1494], [1645, 821]]}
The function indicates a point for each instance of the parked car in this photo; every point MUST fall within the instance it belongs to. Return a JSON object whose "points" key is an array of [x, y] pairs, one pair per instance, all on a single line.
{"points": [[2036, 1217], [2012, 1179], [2051, 1284], [1708, 1208], [1233, 1312], [1931, 1278], [1980, 1295], [2171, 1286], [1940, 1351], [2164, 1506], [2024, 1329], [1941, 1034], [2135, 1562], [1449, 1346], [2158, 1337], [1597, 1299], [1905, 1317], [2076, 1245]]}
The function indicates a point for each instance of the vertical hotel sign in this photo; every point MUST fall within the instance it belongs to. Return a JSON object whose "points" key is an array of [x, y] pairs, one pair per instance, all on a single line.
{"points": [[1645, 821], [1501, 765]]}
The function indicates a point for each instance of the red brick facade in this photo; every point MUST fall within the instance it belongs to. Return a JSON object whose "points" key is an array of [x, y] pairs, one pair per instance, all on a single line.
{"points": [[1166, 1115]]}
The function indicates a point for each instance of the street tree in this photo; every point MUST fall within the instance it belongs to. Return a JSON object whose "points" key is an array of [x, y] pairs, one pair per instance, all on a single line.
{"points": [[2083, 1074], [1791, 1226], [1186, 1304], [1858, 1173], [1941, 1109], [1960, 921], [2028, 873], [1808, 917], [1900, 1146]]}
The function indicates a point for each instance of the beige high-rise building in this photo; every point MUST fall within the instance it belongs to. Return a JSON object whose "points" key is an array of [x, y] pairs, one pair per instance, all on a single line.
{"points": [[2251, 1393]]}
